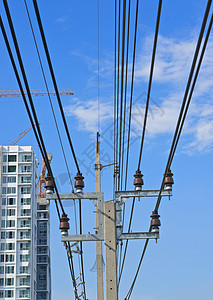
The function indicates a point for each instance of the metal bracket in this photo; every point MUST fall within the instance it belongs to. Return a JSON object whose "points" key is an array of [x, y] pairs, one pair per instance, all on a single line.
{"points": [[120, 198], [97, 199]]}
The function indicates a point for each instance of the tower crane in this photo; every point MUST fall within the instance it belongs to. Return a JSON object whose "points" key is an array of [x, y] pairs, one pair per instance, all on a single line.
{"points": [[41, 191], [34, 92]]}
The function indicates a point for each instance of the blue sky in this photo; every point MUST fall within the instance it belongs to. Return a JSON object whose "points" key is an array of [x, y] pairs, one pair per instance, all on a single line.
{"points": [[180, 265]]}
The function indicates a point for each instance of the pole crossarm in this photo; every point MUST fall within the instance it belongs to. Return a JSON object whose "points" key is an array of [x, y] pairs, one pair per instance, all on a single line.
{"points": [[122, 196]]}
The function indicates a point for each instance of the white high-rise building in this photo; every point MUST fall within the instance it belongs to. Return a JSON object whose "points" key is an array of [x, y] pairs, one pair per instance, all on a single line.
{"points": [[18, 220]]}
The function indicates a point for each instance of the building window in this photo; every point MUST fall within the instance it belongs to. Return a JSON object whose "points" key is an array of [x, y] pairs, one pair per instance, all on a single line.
{"points": [[9, 294], [11, 201], [42, 242], [3, 201], [9, 269], [10, 234], [42, 224], [4, 170], [42, 277], [26, 158], [24, 293], [25, 223], [11, 158], [2, 258], [2, 223], [3, 235], [10, 223], [42, 268], [42, 286], [9, 281], [24, 281], [4, 158], [24, 257], [25, 201], [2, 246], [25, 212], [11, 169], [1, 281], [1, 294], [25, 169], [42, 259], [9, 257], [11, 212], [24, 270], [42, 233], [9, 179], [1, 269], [4, 190], [25, 179], [42, 250], [25, 190], [11, 190], [25, 235], [25, 246], [10, 246], [3, 212]]}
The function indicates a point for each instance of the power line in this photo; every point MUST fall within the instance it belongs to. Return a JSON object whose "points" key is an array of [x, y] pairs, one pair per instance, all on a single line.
{"points": [[179, 127], [54, 82], [50, 100], [150, 80], [55, 120], [132, 87], [118, 76], [125, 89], [122, 84], [38, 135]]}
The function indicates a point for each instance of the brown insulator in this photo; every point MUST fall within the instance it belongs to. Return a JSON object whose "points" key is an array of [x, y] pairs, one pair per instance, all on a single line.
{"points": [[79, 182], [64, 224], [49, 186], [155, 222], [138, 181], [169, 181]]}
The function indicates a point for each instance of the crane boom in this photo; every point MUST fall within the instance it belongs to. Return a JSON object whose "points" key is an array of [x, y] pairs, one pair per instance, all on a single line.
{"points": [[34, 92]]}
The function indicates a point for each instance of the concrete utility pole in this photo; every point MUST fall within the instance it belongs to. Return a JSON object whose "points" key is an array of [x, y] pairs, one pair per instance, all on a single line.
{"points": [[109, 224], [99, 262], [110, 241]]}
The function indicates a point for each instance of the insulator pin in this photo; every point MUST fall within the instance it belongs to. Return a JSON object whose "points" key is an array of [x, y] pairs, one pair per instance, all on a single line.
{"points": [[64, 224], [169, 181], [49, 186], [155, 222], [138, 181], [79, 182]]}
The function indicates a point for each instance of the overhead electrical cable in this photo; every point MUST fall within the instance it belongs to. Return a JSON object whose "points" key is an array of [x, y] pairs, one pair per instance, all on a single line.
{"points": [[130, 110], [125, 89], [182, 117], [54, 82], [145, 116], [131, 93], [115, 100], [122, 86], [50, 100], [38, 132], [55, 120], [150, 80]]}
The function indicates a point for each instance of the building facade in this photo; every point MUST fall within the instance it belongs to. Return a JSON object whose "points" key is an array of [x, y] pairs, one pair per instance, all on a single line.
{"points": [[24, 239], [43, 250]]}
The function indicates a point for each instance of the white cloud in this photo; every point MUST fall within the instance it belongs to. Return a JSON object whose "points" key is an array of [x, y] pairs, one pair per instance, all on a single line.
{"points": [[87, 113], [173, 62]]}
